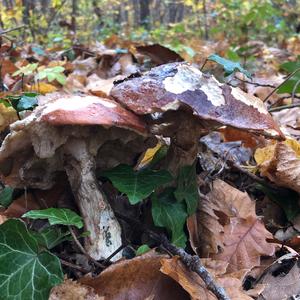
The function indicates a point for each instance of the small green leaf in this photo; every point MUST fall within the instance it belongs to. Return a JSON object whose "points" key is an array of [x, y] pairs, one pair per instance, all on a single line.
{"points": [[168, 213], [228, 65], [51, 236], [142, 249], [137, 185], [26, 272], [26, 70], [187, 189], [27, 102], [290, 84], [61, 78], [61, 216], [6, 196]]}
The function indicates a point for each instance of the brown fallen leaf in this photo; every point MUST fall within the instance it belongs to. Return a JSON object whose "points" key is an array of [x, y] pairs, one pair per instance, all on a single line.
{"points": [[281, 279], [7, 116], [226, 228], [244, 241], [284, 167], [136, 279], [72, 290], [194, 285]]}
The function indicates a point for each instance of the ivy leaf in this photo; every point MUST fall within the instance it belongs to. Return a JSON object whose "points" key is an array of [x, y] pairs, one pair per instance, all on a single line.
{"points": [[27, 102], [142, 249], [137, 185], [228, 65], [6, 196], [25, 271], [51, 236], [168, 213], [187, 189], [55, 216]]}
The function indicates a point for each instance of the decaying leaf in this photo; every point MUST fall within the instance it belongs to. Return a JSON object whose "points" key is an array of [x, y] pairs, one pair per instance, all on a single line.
{"points": [[226, 228], [194, 285], [281, 279], [283, 167], [136, 279], [71, 290], [7, 116]]}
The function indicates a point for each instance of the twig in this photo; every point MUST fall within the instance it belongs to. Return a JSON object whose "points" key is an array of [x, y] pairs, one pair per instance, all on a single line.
{"points": [[202, 67], [295, 90], [12, 29], [192, 262], [281, 84], [114, 254], [83, 250], [255, 83], [73, 266], [278, 108]]}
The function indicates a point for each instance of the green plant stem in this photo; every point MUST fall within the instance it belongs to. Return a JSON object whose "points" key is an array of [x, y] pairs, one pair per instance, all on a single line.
{"points": [[278, 108]]}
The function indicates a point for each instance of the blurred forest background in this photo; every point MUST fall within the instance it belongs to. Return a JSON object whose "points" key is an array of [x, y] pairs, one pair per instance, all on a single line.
{"points": [[179, 23]]}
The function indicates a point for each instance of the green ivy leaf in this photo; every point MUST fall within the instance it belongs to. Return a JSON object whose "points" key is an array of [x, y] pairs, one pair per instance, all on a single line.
{"points": [[228, 65], [26, 272], [142, 249], [51, 236], [55, 216], [27, 102], [168, 213], [187, 189], [6, 196], [137, 185]]}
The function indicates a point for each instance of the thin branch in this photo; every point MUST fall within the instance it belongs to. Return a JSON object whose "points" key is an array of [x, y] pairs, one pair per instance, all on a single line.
{"points": [[192, 262], [255, 83], [73, 266], [278, 108], [12, 29], [281, 84], [83, 250], [114, 254]]}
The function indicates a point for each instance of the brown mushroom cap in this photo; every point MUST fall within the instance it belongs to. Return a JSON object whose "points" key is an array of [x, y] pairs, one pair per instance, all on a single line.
{"points": [[178, 85]]}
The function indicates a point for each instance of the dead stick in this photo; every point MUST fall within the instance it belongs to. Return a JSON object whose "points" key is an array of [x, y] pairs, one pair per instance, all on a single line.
{"points": [[192, 262], [83, 250], [73, 266], [281, 84], [278, 108]]}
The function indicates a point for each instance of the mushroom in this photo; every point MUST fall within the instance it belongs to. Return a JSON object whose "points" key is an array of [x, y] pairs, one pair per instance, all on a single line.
{"points": [[75, 135], [185, 103]]}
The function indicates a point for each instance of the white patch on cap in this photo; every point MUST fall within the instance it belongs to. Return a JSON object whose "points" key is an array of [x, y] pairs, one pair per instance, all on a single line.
{"points": [[76, 103], [249, 100], [188, 78], [271, 132]]}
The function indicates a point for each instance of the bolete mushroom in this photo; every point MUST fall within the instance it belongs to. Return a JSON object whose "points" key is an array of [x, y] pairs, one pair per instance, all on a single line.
{"points": [[190, 103], [76, 134]]}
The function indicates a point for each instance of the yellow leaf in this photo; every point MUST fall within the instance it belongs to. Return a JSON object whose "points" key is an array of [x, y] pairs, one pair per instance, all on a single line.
{"points": [[42, 88], [7, 116], [262, 155], [148, 156]]}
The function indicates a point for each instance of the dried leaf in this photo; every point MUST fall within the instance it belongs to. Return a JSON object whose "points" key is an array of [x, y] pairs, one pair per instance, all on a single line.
{"points": [[136, 279], [284, 167], [244, 241], [72, 290], [226, 228], [7, 116]]}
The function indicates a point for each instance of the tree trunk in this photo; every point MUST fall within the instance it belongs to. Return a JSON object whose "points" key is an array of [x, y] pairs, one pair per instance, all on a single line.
{"points": [[145, 13]]}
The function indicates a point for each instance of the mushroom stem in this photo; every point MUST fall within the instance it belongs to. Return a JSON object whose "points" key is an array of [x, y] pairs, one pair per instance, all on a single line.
{"points": [[98, 216]]}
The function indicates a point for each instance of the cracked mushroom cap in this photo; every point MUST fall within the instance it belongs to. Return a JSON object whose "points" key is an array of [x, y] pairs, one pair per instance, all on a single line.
{"points": [[34, 140], [180, 85]]}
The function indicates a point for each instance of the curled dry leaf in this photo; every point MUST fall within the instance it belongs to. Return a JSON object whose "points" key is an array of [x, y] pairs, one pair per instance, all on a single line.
{"points": [[70, 290], [283, 166], [226, 228], [281, 279], [194, 285], [135, 279]]}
